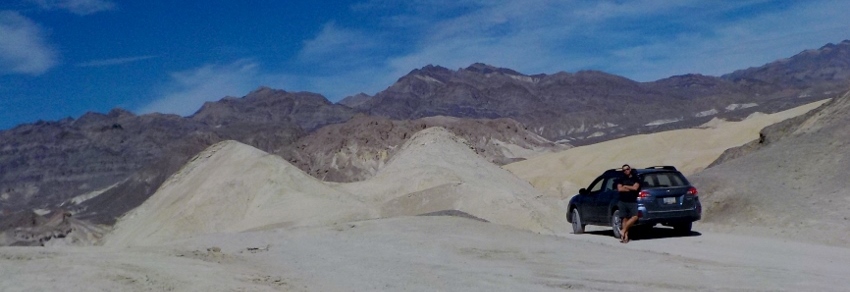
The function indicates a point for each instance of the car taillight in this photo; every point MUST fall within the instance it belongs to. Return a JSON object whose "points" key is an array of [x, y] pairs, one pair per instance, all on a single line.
{"points": [[692, 191], [645, 194]]}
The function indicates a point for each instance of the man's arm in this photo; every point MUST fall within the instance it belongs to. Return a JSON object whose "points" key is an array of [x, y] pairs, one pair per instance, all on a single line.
{"points": [[633, 187]]}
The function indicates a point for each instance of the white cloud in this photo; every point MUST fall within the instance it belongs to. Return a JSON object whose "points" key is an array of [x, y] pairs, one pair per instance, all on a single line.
{"points": [[189, 89], [335, 43], [80, 7], [23, 48], [114, 61]]}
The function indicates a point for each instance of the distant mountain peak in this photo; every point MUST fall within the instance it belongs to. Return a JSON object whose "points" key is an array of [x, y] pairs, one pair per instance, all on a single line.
{"points": [[355, 100], [489, 69], [120, 112], [439, 73], [430, 69], [265, 90]]}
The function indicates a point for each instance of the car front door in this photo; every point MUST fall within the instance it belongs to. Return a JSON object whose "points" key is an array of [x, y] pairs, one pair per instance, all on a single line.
{"points": [[605, 198], [590, 208]]}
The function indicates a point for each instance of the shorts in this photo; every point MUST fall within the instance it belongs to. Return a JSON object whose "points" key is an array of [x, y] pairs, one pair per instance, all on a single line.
{"points": [[627, 209]]}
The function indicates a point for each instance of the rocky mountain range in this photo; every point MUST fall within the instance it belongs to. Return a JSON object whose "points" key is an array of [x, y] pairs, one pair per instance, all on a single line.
{"points": [[99, 166], [591, 106]]}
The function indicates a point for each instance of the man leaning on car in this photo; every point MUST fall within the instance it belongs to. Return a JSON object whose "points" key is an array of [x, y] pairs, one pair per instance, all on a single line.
{"points": [[628, 186]]}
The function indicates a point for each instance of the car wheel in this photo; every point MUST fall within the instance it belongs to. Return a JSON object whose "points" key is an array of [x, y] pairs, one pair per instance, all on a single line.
{"points": [[578, 225], [684, 228], [616, 223]]}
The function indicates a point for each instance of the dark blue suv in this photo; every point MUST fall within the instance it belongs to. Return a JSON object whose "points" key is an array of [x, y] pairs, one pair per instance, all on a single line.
{"points": [[666, 197]]}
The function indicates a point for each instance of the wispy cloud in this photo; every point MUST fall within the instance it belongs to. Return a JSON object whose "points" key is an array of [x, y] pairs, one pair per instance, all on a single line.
{"points": [[23, 47], [188, 90], [643, 40], [80, 7], [114, 61]]}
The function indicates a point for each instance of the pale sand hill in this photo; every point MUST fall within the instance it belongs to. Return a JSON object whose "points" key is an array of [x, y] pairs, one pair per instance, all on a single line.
{"points": [[436, 170], [691, 150], [796, 187], [232, 187]]}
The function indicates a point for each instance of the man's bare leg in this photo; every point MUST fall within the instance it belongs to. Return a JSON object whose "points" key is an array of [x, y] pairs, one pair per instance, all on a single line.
{"points": [[626, 225]]}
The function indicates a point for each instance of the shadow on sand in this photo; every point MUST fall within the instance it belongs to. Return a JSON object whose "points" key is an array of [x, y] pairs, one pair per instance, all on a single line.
{"points": [[647, 233]]}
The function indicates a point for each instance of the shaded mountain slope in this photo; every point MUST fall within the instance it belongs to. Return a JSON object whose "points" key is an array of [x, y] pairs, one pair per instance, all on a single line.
{"points": [[47, 163]]}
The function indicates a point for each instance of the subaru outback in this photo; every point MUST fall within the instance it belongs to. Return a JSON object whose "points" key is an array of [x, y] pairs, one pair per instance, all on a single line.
{"points": [[666, 197]]}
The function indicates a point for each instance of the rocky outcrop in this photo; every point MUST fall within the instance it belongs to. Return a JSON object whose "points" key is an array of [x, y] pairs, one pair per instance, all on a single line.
{"points": [[59, 228]]}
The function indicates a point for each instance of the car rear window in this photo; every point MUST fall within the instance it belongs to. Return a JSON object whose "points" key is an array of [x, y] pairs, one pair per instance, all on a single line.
{"points": [[663, 180]]}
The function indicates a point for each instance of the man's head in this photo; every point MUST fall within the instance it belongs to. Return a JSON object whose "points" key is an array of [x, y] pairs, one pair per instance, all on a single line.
{"points": [[627, 170]]}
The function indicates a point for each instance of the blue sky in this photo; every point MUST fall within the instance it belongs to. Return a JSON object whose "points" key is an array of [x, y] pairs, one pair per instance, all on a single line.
{"points": [[62, 58]]}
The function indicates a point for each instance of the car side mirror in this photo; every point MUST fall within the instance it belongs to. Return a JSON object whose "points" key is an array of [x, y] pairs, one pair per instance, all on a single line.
{"points": [[582, 191]]}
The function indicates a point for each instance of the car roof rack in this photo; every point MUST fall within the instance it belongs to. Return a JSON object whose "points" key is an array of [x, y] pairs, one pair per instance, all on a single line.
{"points": [[670, 167]]}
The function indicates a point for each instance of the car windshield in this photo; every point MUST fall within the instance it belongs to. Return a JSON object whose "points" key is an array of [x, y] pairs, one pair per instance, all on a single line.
{"points": [[663, 180]]}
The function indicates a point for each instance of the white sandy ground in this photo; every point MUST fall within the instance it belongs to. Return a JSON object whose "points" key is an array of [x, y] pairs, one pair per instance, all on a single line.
{"points": [[432, 254], [561, 174]]}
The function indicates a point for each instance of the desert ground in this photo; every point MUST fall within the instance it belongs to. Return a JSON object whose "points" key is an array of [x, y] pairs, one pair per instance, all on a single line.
{"points": [[436, 217], [432, 253]]}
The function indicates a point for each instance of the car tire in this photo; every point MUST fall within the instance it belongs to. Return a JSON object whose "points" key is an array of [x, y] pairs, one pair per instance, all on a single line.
{"points": [[578, 225], [683, 228], [616, 223]]}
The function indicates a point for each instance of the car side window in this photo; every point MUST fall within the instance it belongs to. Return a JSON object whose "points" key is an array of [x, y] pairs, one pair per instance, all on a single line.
{"points": [[609, 184], [648, 182], [596, 186]]}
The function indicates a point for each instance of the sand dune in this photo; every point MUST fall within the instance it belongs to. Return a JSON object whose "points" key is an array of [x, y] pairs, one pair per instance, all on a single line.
{"points": [[691, 150], [232, 187], [435, 170]]}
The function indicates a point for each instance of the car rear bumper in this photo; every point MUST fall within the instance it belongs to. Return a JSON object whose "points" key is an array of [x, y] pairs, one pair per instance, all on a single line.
{"points": [[668, 217]]}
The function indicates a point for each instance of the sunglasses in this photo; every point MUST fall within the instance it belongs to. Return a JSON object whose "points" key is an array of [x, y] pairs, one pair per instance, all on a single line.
{"points": [[624, 169]]}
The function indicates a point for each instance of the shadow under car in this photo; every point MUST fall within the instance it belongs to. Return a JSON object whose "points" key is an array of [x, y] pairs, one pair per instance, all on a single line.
{"points": [[647, 233]]}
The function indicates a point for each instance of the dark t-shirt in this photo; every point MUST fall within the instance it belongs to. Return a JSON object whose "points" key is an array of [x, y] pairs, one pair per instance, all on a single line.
{"points": [[628, 197]]}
